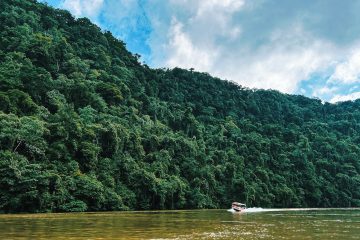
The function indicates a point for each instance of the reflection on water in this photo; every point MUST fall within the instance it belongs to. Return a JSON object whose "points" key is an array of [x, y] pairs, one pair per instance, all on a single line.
{"points": [[203, 224]]}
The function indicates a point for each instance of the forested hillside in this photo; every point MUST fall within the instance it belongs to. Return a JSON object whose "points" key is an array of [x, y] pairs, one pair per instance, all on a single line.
{"points": [[84, 126]]}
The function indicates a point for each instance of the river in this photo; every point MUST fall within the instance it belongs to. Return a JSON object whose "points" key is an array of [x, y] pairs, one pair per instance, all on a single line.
{"points": [[299, 224]]}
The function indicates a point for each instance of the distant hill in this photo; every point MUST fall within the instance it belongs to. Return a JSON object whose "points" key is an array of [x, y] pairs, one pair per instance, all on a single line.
{"points": [[85, 127]]}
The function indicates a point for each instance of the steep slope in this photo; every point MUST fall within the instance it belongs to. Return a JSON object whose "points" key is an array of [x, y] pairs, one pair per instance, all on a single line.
{"points": [[85, 127]]}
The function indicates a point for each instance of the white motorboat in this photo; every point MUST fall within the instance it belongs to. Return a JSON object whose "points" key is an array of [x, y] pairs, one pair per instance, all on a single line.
{"points": [[238, 207]]}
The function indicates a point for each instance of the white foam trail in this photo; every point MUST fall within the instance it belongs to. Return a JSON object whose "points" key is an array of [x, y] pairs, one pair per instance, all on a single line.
{"points": [[256, 210], [248, 210], [253, 210]]}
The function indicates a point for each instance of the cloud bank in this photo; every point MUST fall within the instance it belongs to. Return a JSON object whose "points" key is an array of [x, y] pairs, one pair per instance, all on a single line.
{"points": [[306, 47]]}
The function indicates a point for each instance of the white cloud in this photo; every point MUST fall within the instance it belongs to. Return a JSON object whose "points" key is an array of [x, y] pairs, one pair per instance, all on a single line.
{"points": [[211, 6], [202, 42], [204, 6], [291, 57], [192, 39], [349, 97], [324, 90], [348, 71], [183, 51], [83, 8]]}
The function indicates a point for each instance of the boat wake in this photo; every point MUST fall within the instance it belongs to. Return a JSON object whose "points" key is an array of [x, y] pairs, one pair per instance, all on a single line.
{"points": [[254, 210], [248, 210], [257, 210]]}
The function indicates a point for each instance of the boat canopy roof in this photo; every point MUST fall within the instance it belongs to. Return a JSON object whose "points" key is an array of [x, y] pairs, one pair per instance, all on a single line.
{"points": [[239, 204]]}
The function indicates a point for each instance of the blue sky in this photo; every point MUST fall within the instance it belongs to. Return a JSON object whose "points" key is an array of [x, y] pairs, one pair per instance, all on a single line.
{"points": [[309, 47]]}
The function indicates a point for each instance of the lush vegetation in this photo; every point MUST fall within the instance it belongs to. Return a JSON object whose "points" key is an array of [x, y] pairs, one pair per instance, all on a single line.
{"points": [[85, 127]]}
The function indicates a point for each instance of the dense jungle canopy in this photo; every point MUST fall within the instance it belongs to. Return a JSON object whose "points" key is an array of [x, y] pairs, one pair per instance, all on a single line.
{"points": [[84, 126]]}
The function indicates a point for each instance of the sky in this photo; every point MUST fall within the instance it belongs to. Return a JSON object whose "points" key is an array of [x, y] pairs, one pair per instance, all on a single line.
{"points": [[308, 47]]}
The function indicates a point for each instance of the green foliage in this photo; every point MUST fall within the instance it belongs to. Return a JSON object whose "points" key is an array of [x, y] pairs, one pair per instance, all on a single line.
{"points": [[85, 127]]}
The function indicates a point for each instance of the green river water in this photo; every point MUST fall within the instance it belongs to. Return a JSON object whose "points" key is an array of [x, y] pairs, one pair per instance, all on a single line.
{"points": [[200, 224]]}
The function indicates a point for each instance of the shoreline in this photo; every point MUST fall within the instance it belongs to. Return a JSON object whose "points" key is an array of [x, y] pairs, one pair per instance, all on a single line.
{"points": [[103, 213]]}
